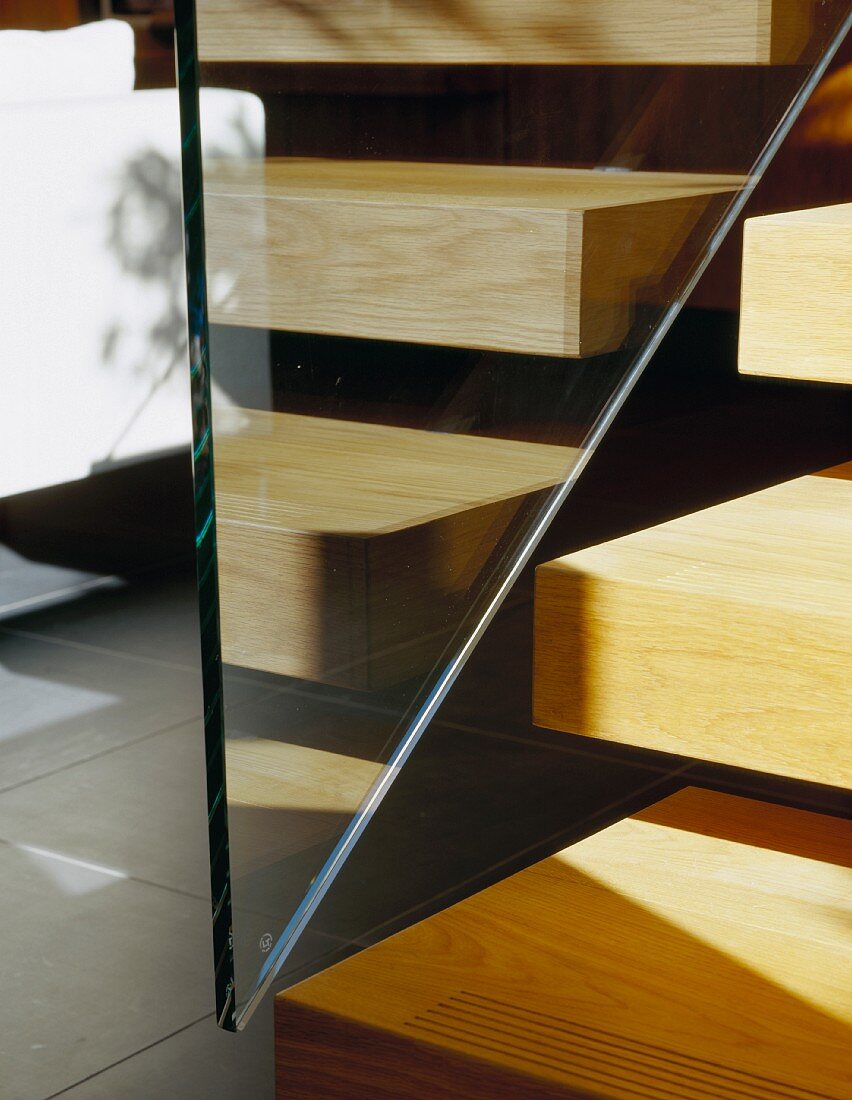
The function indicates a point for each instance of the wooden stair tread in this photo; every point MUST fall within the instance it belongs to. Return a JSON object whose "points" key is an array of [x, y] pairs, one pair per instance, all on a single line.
{"points": [[698, 948], [308, 474], [796, 318], [546, 261], [565, 32], [347, 551], [285, 798], [278, 775], [723, 635]]}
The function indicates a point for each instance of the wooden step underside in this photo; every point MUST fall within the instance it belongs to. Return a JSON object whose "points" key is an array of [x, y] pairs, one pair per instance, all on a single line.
{"points": [[545, 261], [504, 32], [724, 635], [697, 949], [348, 551], [796, 317]]}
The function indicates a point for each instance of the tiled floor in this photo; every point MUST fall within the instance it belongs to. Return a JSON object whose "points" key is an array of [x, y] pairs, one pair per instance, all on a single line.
{"points": [[105, 902], [106, 955], [106, 958]]}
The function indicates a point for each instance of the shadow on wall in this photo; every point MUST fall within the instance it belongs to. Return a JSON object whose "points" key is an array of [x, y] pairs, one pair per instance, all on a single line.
{"points": [[145, 235], [92, 281]]}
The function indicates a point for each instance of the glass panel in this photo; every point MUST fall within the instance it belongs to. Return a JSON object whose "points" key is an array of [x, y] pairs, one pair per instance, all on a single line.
{"points": [[441, 245]]}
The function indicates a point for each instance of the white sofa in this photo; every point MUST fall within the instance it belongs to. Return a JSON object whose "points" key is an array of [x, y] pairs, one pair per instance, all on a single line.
{"points": [[93, 361]]}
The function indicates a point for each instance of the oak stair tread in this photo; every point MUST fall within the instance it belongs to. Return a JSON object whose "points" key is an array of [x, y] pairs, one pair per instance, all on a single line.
{"points": [[563, 32], [698, 948], [550, 261], [312, 475], [796, 314], [723, 635], [347, 549]]}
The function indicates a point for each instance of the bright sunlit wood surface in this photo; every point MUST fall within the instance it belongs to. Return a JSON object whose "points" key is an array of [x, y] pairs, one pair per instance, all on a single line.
{"points": [[698, 949], [547, 261], [796, 317], [724, 635], [563, 32], [347, 550]]}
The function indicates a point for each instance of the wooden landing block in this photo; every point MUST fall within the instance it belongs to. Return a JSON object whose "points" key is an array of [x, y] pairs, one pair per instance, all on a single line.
{"points": [[540, 260], [697, 949], [559, 32], [348, 551], [724, 635], [796, 317]]}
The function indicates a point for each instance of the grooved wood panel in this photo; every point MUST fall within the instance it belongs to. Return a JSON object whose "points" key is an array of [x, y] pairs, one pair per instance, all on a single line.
{"points": [[796, 313], [724, 635], [348, 551], [562, 32], [697, 949], [539, 260]]}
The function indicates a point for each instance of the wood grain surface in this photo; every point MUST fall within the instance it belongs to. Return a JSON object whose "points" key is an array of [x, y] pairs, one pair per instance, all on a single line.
{"points": [[563, 32], [347, 551], [699, 949], [796, 313], [724, 635], [547, 261]]}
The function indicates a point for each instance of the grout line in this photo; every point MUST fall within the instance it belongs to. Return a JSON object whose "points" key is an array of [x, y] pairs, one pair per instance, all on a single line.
{"points": [[576, 826], [192, 719], [104, 752], [125, 876], [510, 606], [157, 662], [569, 750], [350, 703], [127, 1057], [103, 651], [170, 889]]}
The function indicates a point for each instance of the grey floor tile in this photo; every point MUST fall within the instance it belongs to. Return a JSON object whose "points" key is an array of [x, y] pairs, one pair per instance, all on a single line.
{"points": [[202, 1061], [142, 808], [61, 704], [156, 619], [153, 619], [94, 967]]}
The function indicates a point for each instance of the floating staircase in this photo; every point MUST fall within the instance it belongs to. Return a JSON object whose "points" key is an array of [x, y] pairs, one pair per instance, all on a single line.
{"points": [[350, 553], [503, 32], [697, 949]]}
